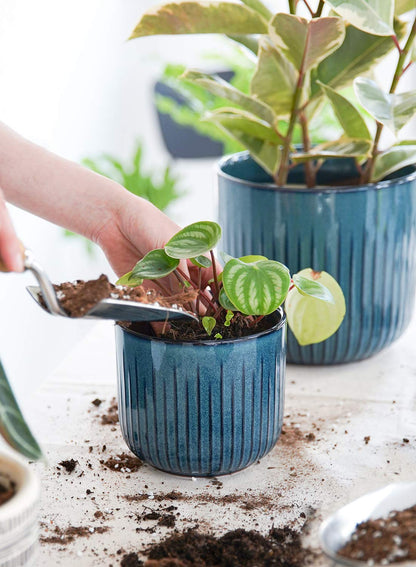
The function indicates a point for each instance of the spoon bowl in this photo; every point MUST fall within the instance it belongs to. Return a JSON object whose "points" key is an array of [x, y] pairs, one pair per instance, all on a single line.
{"points": [[336, 531]]}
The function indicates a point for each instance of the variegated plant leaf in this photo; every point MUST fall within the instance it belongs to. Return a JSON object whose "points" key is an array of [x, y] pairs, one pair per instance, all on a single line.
{"points": [[371, 16], [393, 159], [194, 240], [13, 426], [343, 147]]}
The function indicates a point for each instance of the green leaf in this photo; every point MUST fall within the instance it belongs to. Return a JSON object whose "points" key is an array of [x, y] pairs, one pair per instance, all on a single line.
{"points": [[229, 315], [306, 42], [359, 53], [225, 301], [395, 158], [258, 7], [343, 147], [13, 426], [403, 6], [275, 79], [256, 136], [257, 288], [217, 336], [251, 258], [310, 319], [347, 114], [197, 17], [194, 240], [156, 264], [201, 262], [209, 324], [311, 287], [371, 16], [247, 41], [392, 110], [130, 280], [219, 87]]}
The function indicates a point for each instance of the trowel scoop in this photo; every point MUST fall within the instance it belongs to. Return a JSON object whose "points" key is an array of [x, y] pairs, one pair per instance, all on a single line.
{"points": [[115, 309]]}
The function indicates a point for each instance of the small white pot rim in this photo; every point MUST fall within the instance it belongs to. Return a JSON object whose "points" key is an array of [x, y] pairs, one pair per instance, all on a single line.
{"points": [[26, 481]]}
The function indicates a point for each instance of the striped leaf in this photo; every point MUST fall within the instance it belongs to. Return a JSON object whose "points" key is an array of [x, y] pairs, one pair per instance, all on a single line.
{"points": [[13, 426], [311, 287], [371, 16], [257, 288], [201, 262], [194, 240], [393, 159], [156, 264]]}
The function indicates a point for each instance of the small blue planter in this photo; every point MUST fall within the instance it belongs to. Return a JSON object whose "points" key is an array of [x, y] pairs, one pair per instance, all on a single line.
{"points": [[201, 409], [364, 236]]}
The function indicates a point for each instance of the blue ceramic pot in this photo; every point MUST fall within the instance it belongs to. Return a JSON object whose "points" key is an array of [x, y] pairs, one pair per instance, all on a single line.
{"points": [[364, 236], [204, 408]]}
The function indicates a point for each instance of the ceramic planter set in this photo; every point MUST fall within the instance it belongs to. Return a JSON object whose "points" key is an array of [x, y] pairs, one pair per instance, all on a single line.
{"points": [[212, 408]]}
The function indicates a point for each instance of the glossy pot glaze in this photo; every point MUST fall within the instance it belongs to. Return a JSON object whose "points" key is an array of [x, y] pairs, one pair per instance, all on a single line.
{"points": [[364, 236], [204, 408]]}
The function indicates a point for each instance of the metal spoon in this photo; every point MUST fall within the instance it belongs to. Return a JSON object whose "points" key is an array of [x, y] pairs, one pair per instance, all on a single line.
{"points": [[336, 531], [115, 309]]}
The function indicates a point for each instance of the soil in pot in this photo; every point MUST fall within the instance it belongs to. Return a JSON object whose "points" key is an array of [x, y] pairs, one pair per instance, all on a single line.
{"points": [[384, 540], [7, 489]]}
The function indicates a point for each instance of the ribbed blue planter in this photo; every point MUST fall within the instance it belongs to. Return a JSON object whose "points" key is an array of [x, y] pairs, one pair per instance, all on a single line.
{"points": [[205, 408], [364, 236]]}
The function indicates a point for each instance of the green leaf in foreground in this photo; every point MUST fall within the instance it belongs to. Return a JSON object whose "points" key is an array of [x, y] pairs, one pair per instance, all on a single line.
{"points": [[257, 288], [311, 319], [312, 288], [194, 240], [394, 159], [156, 264], [130, 280], [371, 16], [197, 17], [201, 262], [225, 301], [209, 324], [343, 147], [13, 426]]}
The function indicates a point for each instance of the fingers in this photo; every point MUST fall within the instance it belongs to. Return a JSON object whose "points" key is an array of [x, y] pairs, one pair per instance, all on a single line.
{"points": [[11, 256]]}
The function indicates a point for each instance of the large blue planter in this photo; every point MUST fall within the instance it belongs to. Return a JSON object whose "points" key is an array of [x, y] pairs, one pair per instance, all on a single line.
{"points": [[201, 409], [362, 235]]}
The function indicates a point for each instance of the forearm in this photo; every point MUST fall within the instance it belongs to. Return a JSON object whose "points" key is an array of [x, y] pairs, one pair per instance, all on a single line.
{"points": [[56, 189]]}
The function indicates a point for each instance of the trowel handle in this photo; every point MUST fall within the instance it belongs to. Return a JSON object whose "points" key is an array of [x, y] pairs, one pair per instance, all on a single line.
{"points": [[23, 251]]}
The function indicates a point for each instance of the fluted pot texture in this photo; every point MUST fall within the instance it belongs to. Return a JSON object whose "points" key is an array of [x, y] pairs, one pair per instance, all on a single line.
{"points": [[364, 236], [204, 408]]}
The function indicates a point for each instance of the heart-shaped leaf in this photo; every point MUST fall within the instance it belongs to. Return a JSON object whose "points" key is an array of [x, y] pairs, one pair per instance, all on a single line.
{"points": [[218, 87], [200, 17], [209, 324], [392, 110], [312, 287], [194, 240], [257, 288], [274, 80], [393, 159], [13, 426], [311, 319], [306, 42], [347, 114], [156, 264], [371, 16], [130, 280], [252, 258], [201, 262]]}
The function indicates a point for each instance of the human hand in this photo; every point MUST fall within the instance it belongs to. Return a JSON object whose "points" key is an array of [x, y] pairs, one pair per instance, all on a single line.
{"points": [[135, 229], [11, 259]]}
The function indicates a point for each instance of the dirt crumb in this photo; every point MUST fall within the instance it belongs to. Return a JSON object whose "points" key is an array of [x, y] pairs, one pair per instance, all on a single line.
{"points": [[69, 465], [123, 462]]}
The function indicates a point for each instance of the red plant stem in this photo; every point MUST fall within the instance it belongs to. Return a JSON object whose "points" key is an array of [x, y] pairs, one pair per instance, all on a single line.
{"points": [[318, 12], [214, 273], [199, 286], [310, 175], [202, 295], [312, 13], [162, 287]]}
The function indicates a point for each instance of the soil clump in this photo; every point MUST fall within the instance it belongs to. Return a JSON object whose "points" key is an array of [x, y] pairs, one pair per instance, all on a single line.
{"points": [[384, 540], [66, 535], [123, 463]]}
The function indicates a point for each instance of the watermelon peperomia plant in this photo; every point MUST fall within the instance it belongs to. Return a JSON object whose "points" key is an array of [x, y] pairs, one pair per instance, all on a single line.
{"points": [[303, 63], [252, 285]]}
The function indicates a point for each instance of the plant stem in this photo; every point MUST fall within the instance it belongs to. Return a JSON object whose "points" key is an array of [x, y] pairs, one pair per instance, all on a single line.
{"points": [[201, 293], [318, 12], [292, 6], [400, 67], [310, 174], [199, 286], [309, 8], [165, 290], [214, 273]]}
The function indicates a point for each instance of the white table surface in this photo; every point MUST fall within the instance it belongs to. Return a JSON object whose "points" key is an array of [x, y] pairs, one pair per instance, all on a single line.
{"points": [[341, 405]]}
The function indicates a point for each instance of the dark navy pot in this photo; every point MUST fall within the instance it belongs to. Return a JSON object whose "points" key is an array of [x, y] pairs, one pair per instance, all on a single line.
{"points": [[204, 408], [364, 236]]}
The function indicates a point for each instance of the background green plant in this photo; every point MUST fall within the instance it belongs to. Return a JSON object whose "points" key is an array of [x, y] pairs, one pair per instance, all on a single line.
{"points": [[303, 63]]}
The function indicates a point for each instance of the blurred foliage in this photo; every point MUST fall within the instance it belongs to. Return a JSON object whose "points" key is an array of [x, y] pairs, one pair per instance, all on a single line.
{"points": [[160, 188], [198, 101]]}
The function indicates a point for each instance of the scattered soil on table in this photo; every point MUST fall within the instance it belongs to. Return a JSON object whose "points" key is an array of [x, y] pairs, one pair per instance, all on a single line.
{"points": [[110, 417], [69, 465], [123, 462], [78, 297], [280, 548], [7, 489], [384, 540], [64, 536], [131, 560]]}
